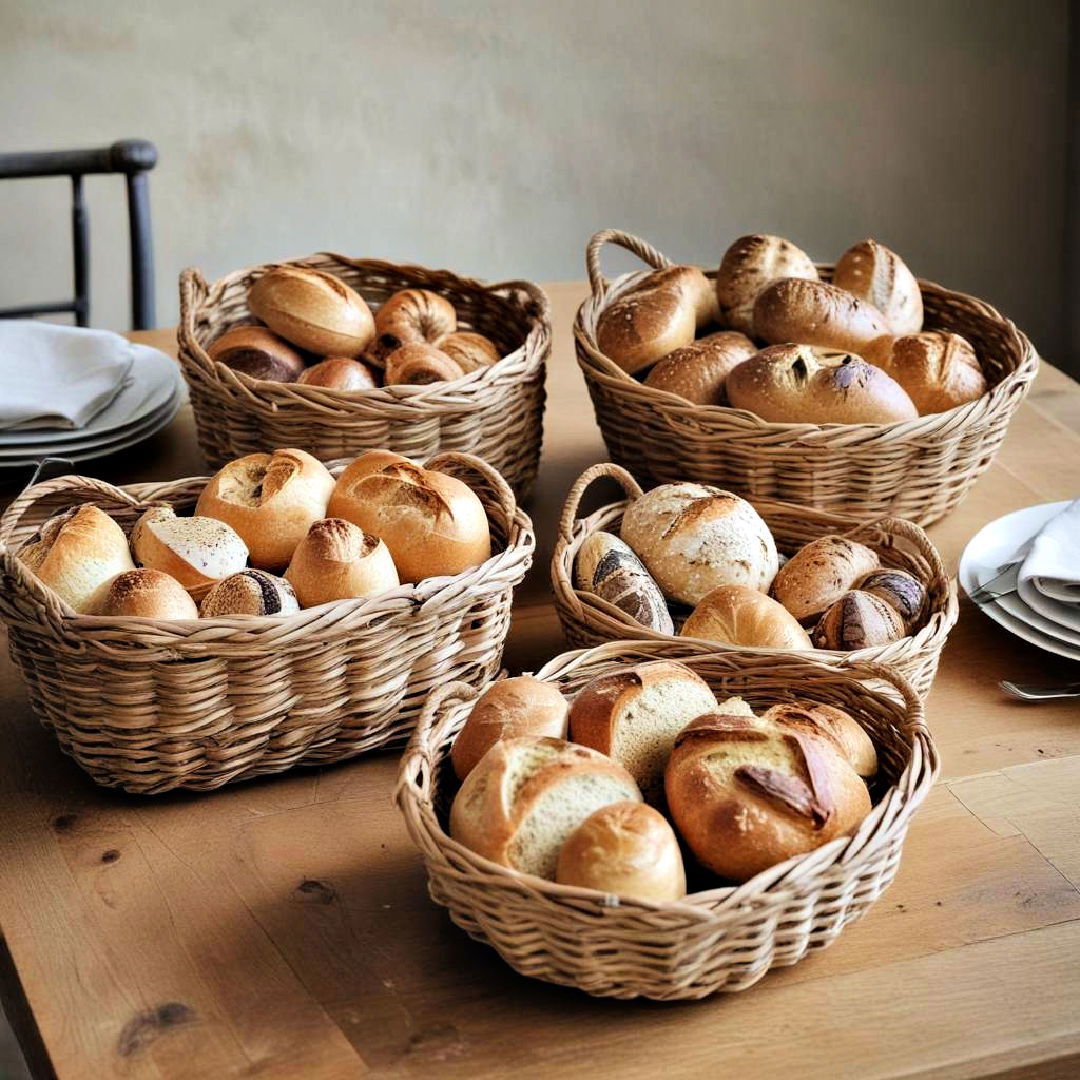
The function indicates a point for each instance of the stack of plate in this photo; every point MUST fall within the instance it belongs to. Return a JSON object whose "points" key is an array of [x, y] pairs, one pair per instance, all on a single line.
{"points": [[1026, 612], [154, 392]]}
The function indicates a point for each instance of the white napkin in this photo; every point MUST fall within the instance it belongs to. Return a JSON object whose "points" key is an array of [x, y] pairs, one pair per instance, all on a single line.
{"points": [[58, 376], [1049, 577]]}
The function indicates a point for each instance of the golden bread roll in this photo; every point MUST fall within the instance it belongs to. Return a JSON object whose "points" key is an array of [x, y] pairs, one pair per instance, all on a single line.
{"points": [[314, 310], [144, 594], [858, 620], [257, 352], [271, 501], [873, 273], [938, 370], [626, 848], [820, 572], [337, 560], [698, 372], [410, 317], [250, 592], [76, 552], [902, 591], [608, 568], [855, 743], [469, 350], [694, 284], [748, 266], [338, 373], [739, 615], [509, 709], [419, 365]]}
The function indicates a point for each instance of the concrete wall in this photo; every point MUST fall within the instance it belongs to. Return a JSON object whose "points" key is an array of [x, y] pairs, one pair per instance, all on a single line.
{"points": [[494, 138]]}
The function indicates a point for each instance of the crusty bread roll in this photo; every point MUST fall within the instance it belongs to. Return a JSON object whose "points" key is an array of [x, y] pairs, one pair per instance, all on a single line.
{"points": [[695, 286], [698, 372], [739, 615], [626, 848], [469, 350], [338, 373], [144, 594], [857, 620], [312, 309], [693, 537], [509, 709], [820, 572], [257, 352], [816, 313], [938, 370], [873, 273], [75, 552], [855, 743], [337, 560], [433, 524], [608, 568], [634, 714], [527, 795], [250, 592], [798, 384], [902, 591], [418, 364], [745, 793], [197, 551], [410, 317], [748, 266], [270, 500]]}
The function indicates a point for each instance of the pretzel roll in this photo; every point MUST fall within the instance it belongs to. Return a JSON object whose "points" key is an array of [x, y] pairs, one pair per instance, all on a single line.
{"points": [[257, 352], [339, 561], [418, 365], [873, 273], [739, 615], [698, 372], [338, 373], [820, 572], [469, 350], [410, 316], [939, 370], [748, 266]]}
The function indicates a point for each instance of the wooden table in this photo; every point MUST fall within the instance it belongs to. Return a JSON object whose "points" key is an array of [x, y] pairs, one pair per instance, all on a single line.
{"points": [[282, 928]]}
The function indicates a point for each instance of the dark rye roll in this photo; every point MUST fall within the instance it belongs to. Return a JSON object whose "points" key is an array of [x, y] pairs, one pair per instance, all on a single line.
{"points": [[250, 592]]}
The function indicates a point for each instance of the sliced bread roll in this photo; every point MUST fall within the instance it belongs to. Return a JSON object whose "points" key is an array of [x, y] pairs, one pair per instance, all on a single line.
{"points": [[608, 568]]}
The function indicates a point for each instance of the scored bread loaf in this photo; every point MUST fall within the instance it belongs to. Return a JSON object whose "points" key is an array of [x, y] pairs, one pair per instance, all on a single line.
{"points": [[739, 615], [873, 273], [698, 372], [857, 620], [900, 590], [748, 266], [337, 560], [820, 572], [607, 567], [853, 740], [144, 594], [938, 370], [527, 795]]}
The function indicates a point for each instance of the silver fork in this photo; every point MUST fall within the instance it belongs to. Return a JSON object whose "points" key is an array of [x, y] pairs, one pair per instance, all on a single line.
{"points": [[1039, 691], [1001, 584]]}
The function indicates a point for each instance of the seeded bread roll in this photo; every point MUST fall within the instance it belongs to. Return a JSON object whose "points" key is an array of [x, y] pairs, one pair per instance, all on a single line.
{"points": [[419, 365], [625, 848], [76, 552], [693, 538], [509, 709], [527, 795], [820, 572], [873, 273], [609, 568], [857, 746], [250, 592], [469, 350], [257, 352], [144, 594], [748, 266], [408, 317], [698, 372], [857, 620], [739, 615], [634, 715], [938, 370], [339, 561], [902, 591], [338, 373]]}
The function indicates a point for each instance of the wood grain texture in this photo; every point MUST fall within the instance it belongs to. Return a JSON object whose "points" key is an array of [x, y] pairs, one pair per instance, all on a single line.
{"points": [[282, 928]]}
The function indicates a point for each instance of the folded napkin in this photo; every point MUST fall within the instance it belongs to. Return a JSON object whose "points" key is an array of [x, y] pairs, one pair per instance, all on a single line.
{"points": [[1049, 577], [58, 376]]}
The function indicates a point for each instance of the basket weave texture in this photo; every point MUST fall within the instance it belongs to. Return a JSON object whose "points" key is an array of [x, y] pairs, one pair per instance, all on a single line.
{"points": [[495, 412], [587, 620], [720, 939], [918, 470], [150, 705]]}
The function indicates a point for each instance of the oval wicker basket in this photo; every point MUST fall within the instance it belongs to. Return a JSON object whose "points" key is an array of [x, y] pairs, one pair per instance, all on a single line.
{"points": [[587, 620], [150, 705], [918, 470], [495, 412], [719, 939]]}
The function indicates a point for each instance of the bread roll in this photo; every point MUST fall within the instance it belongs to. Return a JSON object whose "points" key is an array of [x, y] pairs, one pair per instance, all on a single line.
{"points": [[797, 384], [339, 561], [75, 552], [270, 500], [509, 709], [419, 365], [469, 350], [902, 591], [693, 538], [873, 273], [433, 524], [144, 594], [526, 796], [856, 744], [257, 352], [312, 309], [338, 373], [698, 372], [857, 620], [739, 615], [746, 794], [197, 551], [816, 313], [820, 572], [250, 592], [625, 848], [410, 317], [633, 716], [608, 568], [938, 370], [695, 286], [748, 266]]}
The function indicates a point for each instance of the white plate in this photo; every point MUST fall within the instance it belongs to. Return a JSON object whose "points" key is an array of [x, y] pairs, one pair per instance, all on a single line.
{"points": [[995, 544]]}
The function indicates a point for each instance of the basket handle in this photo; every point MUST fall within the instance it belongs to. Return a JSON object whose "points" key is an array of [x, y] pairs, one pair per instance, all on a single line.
{"points": [[916, 536], [417, 769], [489, 477], [194, 290], [869, 669], [569, 515], [634, 244]]}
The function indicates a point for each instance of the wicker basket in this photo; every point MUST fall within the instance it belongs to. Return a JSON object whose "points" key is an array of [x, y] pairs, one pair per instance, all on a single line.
{"points": [[719, 939], [150, 705], [918, 470], [495, 412], [587, 620]]}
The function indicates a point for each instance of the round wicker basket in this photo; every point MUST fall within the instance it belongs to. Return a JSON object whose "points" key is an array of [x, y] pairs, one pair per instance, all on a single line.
{"points": [[495, 412], [719, 939], [149, 705], [588, 620], [918, 470]]}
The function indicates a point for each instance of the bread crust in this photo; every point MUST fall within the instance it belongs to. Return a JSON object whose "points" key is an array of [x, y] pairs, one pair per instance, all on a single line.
{"points": [[939, 370], [858, 620], [410, 316], [469, 350], [607, 567], [739, 615], [257, 352], [337, 560], [145, 594], [873, 273], [249, 592], [748, 267], [420, 364], [338, 373], [698, 372], [849, 735], [820, 572]]}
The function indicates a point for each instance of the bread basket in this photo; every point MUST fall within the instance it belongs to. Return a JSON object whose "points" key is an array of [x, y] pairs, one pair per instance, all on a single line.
{"points": [[918, 470], [722, 939], [148, 705], [587, 620], [495, 412]]}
